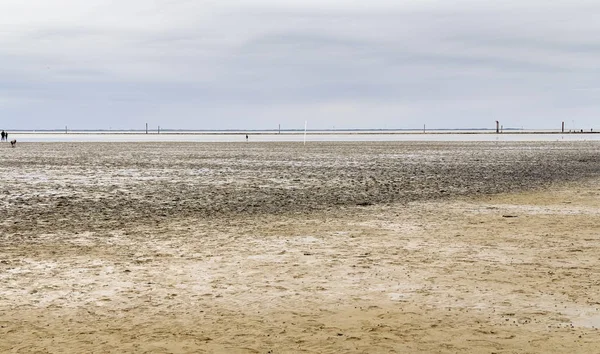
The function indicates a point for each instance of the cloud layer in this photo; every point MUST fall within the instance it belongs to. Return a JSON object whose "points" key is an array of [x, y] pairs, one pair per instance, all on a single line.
{"points": [[256, 64]]}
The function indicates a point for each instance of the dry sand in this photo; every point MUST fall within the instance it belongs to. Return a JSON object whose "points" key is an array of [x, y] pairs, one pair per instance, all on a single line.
{"points": [[258, 248]]}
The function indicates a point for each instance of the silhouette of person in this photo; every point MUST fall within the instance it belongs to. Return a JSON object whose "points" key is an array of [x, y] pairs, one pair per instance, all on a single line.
{"points": [[246, 137]]}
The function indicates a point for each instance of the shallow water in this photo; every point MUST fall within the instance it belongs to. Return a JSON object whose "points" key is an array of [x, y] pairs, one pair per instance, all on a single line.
{"points": [[592, 321], [294, 137]]}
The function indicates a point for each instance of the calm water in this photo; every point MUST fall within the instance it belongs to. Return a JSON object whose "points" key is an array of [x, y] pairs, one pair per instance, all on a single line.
{"points": [[292, 137]]}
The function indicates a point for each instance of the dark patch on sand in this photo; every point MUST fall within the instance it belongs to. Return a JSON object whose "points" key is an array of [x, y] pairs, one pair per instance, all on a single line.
{"points": [[104, 185]]}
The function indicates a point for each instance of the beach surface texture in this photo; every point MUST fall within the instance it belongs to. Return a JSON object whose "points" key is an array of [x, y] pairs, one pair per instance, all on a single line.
{"points": [[347, 247]]}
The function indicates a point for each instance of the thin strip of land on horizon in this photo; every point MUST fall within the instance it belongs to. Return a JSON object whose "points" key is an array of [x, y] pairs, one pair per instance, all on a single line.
{"points": [[308, 132]]}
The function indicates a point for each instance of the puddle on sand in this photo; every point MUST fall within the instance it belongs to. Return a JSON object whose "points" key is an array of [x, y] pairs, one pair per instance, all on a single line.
{"points": [[398, 297], [592, 321]]}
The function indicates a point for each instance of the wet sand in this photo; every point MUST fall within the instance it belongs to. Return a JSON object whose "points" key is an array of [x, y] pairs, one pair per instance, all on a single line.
{"points": [[340, 247]]}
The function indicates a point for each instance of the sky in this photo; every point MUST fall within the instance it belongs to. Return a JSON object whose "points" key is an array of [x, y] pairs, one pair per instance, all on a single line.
{"points": [[255, 64]]}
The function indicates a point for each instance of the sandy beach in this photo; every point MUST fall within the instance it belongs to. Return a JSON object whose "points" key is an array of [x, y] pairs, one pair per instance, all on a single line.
{"points": [[379, 247]]}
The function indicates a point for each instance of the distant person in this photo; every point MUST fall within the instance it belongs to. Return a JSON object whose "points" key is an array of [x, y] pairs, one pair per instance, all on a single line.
{"points": [[3, 134], [246, 137]]}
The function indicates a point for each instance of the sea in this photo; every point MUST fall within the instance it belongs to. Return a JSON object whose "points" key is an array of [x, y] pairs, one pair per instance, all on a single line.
{"points": [[297, 136]]}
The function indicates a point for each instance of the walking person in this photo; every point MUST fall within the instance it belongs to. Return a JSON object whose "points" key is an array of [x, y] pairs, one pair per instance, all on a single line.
{"points": [[3, 134]]}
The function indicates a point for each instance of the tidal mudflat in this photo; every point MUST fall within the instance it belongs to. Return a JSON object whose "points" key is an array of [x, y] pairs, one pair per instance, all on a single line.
{"points": [[331, 247]]}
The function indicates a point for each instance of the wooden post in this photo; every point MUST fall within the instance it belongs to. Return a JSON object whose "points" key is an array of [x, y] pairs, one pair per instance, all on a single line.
{"points": [[146, 128], [279, 128], [563, 127], [423, 128], [158, 131], [66, 130], [497, 127]]}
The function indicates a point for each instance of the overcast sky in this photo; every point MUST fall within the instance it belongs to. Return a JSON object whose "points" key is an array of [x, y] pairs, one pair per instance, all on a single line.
{"points": [[254, 64]]}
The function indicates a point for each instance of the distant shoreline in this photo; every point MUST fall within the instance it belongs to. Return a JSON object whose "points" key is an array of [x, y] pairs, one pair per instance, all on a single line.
{"points": [[296, 132]]}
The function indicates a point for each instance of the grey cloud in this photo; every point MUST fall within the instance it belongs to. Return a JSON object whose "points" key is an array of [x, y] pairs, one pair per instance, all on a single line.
{"points": [[576, 46]]}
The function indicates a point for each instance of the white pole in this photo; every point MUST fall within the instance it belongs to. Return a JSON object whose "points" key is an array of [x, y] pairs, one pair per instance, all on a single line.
{"points": [[305, 125]]}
